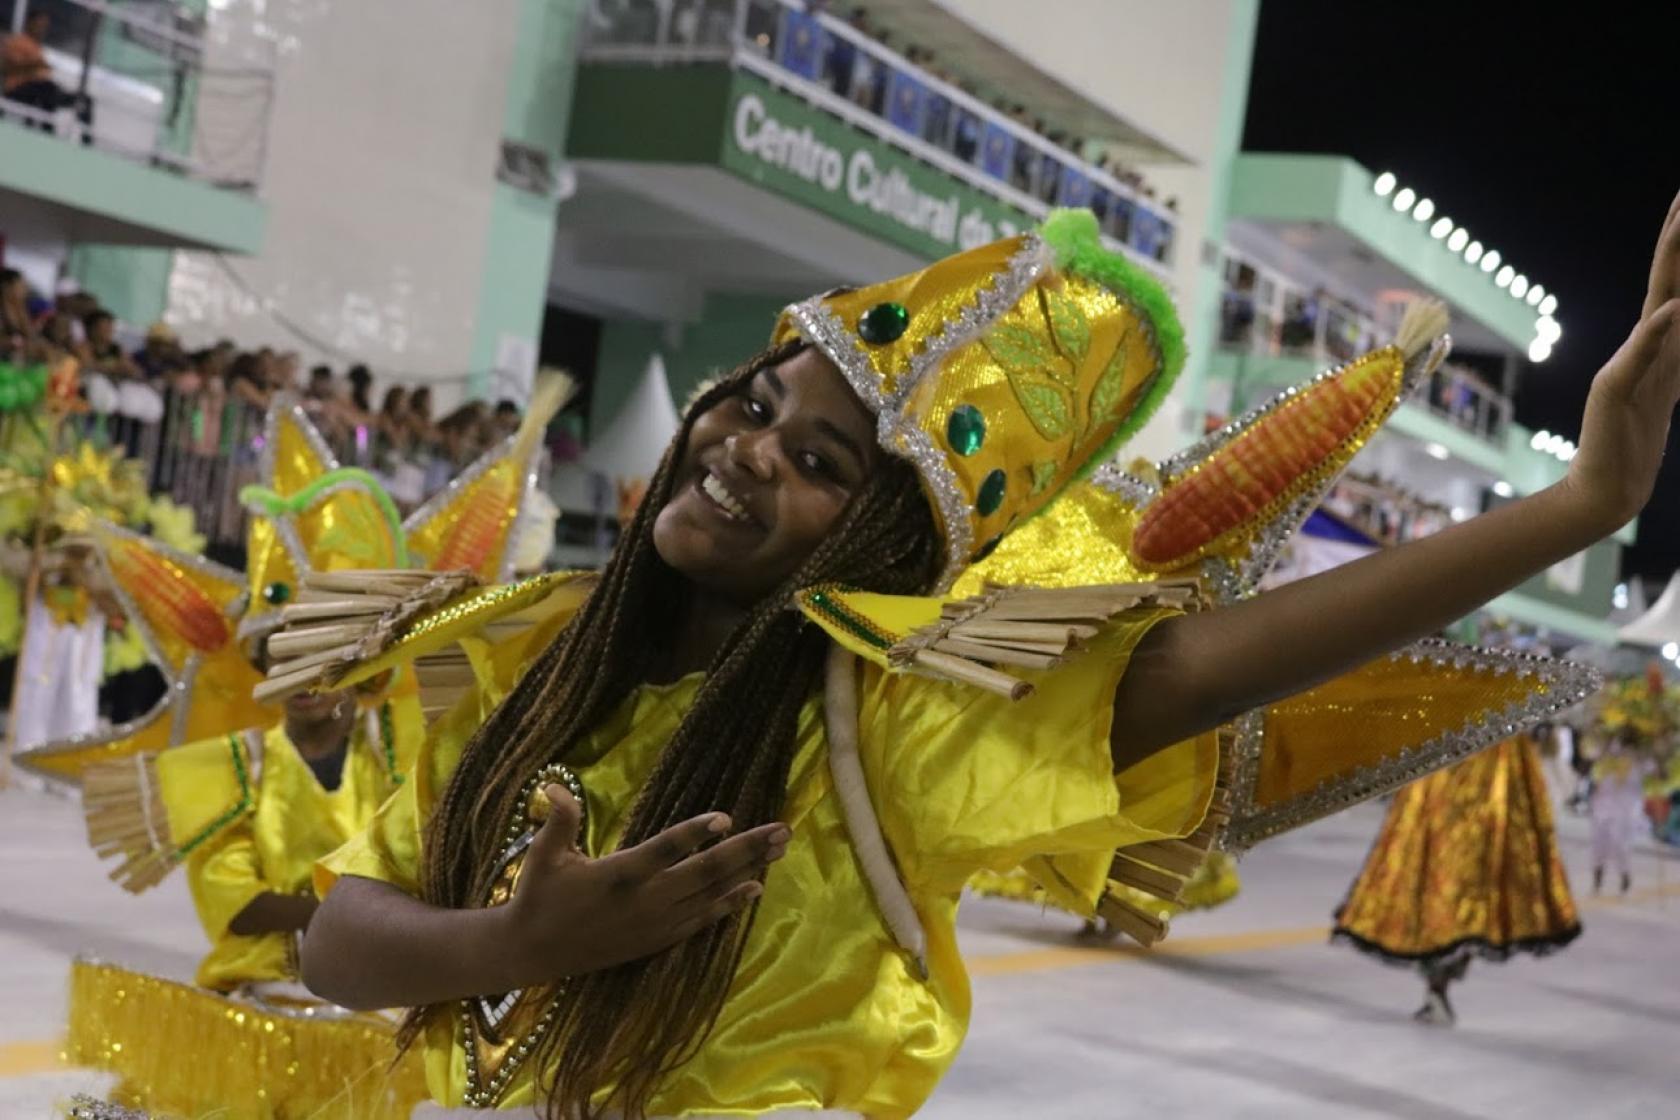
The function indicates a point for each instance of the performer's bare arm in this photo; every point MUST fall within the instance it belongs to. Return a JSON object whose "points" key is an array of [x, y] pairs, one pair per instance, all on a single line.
{"points": [[1197, 671], [273, 913]]}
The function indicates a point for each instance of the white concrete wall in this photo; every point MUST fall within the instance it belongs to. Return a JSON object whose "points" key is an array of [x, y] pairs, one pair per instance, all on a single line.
{"points": [[382, 149]]}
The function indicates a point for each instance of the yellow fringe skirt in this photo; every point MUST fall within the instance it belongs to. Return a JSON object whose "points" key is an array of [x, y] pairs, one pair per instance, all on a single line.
{"points": [[182, 1051]]}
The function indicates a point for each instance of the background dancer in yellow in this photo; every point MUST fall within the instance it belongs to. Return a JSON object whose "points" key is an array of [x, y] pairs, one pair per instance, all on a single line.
{"points": [[249, 809]]}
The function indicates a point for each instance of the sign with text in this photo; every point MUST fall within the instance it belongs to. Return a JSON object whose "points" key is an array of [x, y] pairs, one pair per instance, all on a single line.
{"points": [[786, 145]]}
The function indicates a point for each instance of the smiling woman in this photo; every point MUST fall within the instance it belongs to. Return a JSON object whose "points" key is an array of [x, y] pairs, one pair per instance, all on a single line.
{"points": [[763, 656], [765, 476]]}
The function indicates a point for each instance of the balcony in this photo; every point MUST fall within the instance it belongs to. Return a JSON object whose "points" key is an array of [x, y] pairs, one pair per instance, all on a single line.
{"points": [[135, 138], [829, 116], [1274, 331], [1326, 220]]}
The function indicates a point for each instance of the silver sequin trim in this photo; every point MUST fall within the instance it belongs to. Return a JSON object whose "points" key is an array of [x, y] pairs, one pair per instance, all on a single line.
{"points": [[1567, 684], [1116, 480], [183, 700], [820, 326], [286, 530], [899, 434], [84, 1107], [286, 404]]}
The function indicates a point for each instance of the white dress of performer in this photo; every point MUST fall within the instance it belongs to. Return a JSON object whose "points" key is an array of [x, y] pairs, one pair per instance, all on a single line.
{"points": [[58, 685], [1617, 807]]}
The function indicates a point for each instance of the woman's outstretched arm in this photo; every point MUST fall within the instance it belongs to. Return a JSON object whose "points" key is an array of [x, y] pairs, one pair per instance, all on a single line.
{"points": [[1197, 671]]}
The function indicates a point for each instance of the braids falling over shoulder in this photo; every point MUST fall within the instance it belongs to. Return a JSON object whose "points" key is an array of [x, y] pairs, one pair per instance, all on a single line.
{"points": [[625, 1028]]}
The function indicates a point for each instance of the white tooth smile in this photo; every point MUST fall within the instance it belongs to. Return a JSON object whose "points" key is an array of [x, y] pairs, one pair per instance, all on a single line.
{"points": [[731, 505]]}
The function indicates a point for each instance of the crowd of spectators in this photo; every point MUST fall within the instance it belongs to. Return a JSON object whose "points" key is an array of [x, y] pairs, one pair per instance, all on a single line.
{"points": [[1384, 511], [194, 415]]}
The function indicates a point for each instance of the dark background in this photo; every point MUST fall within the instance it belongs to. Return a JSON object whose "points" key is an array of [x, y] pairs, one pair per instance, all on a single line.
{"points": [[1555, 138]]}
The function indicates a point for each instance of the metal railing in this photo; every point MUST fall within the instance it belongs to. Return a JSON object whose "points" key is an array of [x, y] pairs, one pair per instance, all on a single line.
{"points": [[198, 445], [855, 78], [1330, 332], [130, 77], [1385, 513]]}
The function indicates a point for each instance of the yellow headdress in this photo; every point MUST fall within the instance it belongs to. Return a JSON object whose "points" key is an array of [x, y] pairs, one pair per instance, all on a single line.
{"points": [[1003, 371], [308, 515]]}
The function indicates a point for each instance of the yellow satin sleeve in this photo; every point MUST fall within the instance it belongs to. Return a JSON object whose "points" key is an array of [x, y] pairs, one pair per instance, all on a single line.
{"points": [[273, 849], [966, 781], [824, 1011], [224, 877], [388, 848]]}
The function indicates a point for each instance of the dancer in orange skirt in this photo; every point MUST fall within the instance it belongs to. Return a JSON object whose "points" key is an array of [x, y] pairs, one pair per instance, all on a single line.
{"points": [[1466, 865]]}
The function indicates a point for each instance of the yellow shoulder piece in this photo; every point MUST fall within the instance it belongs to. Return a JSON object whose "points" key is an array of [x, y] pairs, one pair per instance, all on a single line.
{"points": [[866, 623], [496, 613], [350, 627], [982, 639]]}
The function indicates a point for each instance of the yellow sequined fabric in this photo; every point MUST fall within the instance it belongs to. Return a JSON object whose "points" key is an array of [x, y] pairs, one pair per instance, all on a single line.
{"points": [[182, 1051], [220, 693], [343, 530], [825, 1011], [1372, 715], [1467, 857], [1077, 542]]}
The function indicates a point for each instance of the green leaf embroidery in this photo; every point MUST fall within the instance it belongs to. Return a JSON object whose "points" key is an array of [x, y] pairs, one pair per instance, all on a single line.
{"points": [[1110, 387], [1071, 328], [1047, 405], [1019, 349]]}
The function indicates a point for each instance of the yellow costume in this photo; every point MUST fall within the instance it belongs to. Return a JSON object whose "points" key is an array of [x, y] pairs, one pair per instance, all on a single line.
{"points": [[972, 733], [1467, 859], [1213, 884], [238, 804]]}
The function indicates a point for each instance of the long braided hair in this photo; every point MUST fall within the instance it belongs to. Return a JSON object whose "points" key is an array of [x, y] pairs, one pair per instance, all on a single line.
{"points": [[631, 1025]]}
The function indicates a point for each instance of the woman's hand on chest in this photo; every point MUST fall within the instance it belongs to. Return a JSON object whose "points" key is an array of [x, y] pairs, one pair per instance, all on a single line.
{"points": [[571, 914]]}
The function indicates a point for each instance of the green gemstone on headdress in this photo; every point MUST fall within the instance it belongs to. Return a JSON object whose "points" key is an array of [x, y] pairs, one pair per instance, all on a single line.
{"points": [[965, 431], [884, 323], [277, 593], [991, 493]]}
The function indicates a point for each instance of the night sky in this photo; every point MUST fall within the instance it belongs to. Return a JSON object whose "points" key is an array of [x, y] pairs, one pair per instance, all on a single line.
{"points": [[1551, 137]]}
